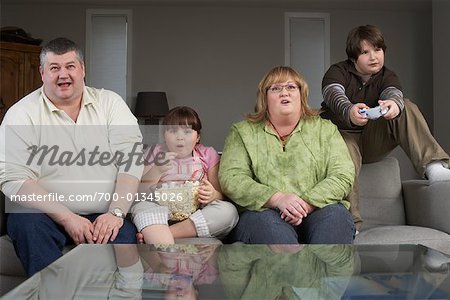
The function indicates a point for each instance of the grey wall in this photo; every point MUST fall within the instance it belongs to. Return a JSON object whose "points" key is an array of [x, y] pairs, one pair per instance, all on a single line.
{"points": [[441, 67], [212, 57]]}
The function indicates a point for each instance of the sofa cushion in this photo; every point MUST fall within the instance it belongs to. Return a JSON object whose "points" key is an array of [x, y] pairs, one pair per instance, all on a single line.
{"points": [[405, 235], [380, 194], [427, 205], [9, 262]]}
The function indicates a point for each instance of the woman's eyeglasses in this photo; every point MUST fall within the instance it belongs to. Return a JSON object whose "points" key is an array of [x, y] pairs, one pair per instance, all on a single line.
{"points": [[278, 88]]}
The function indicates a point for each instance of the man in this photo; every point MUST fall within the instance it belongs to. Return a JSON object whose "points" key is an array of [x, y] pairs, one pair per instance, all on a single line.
{"points": [[67, 158]]}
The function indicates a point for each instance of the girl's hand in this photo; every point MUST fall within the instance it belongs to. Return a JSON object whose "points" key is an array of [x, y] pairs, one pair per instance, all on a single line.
{"points": [[355, 117], [393, 111], [168, 162], [207, 193]]}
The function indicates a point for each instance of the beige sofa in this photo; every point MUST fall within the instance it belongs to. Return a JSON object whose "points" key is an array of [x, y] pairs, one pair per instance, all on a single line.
{"points": [[395, 212]]}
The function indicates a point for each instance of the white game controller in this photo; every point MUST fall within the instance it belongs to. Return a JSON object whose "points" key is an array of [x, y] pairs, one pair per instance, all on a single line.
{"points": [[373, 113]]}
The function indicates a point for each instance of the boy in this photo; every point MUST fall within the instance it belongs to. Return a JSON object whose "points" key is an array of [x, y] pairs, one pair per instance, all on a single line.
{"points": [[361, 82]]}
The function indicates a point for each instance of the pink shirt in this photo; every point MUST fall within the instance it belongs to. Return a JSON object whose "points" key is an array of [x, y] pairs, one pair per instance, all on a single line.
{"points": [[190, 168]]}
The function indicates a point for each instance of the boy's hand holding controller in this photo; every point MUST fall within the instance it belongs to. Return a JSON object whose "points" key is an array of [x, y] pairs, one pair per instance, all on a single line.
{"points": [[392, 109], [355, 117], [373, 113]]}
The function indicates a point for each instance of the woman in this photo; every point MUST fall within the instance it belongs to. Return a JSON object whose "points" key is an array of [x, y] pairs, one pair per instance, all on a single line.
{"points": [[287, 169]]}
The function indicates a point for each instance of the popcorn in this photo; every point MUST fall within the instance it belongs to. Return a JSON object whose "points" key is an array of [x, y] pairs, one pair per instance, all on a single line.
{"points": [[181, 199]]}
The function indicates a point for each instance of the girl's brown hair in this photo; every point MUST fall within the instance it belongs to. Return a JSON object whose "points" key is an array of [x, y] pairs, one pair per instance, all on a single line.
{"points": [[182, 116]]}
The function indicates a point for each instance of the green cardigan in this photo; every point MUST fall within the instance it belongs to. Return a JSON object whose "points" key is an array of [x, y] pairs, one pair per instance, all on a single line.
{"points": [[314, 164]]}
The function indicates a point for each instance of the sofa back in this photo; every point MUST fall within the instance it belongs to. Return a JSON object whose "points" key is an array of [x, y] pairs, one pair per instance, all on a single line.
{"points": [[380, 194]]}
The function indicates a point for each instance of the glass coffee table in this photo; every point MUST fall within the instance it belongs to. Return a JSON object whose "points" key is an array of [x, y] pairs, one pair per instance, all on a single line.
{"points": [[239, 271]]}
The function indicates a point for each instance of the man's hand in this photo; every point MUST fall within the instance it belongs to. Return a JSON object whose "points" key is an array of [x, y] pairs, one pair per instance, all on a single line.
{"points": [[79, 228], [106, 228], [355, 117], [393, 111]]}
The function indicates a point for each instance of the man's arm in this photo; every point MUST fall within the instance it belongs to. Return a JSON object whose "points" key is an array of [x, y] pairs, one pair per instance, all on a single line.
{"points": [[80, 229], [106, 226], [124, 137]]}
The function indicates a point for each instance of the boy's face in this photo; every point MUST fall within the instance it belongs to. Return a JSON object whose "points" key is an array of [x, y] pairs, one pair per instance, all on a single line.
{"points": [[371, 59]]}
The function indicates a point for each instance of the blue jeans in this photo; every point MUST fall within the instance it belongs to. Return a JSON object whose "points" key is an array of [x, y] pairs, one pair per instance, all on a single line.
{"points": [[332, 224], [39, 241]]}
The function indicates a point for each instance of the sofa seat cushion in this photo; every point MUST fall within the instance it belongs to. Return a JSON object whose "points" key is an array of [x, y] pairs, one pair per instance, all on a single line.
{"points": [[405, 235], [9, 262], [380, 194]]}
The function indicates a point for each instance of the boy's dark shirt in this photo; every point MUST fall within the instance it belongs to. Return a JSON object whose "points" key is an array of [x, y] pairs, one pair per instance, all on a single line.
{"points": [[345, 73]]}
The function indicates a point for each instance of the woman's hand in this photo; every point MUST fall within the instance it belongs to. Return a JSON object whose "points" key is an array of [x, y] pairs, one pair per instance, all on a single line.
{"points": [[355, 117], [207, 193], [393, 109], [292, 208]]}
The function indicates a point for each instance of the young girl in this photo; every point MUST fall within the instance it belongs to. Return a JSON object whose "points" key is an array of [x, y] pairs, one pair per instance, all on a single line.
{"points": [[185, 159]]}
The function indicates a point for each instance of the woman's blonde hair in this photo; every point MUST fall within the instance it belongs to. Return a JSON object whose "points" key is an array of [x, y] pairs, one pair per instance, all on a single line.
{"points": [[277, 75]]}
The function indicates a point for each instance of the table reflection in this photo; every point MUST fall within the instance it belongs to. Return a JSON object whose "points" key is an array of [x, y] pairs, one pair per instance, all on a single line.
{"points": [[239, 271]]}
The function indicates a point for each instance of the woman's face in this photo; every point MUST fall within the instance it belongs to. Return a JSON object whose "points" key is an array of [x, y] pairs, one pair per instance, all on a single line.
{"points": [[181, 140], [283, 99]]}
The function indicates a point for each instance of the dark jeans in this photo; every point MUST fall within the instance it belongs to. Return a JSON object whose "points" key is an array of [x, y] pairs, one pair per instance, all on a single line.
{"points": [[332, 224], [39, 241]]}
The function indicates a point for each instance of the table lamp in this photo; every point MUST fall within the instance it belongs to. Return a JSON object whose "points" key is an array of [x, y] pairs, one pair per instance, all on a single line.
{"points": [[151, 106]]}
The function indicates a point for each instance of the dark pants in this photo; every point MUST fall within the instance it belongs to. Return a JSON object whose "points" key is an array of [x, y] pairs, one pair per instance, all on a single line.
{"points": [[331, 224], [39, 241]]}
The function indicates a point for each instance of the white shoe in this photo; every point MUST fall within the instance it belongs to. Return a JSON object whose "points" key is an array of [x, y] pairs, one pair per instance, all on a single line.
{"points": [[437, 171]]}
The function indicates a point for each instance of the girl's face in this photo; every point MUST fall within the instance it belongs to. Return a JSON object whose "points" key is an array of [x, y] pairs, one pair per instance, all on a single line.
{"points": [[181, 140]]}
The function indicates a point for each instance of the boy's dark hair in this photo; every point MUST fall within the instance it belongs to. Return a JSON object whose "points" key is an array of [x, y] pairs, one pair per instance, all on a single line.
{"points": [[182, 116], [370, 33], [60, 46]]}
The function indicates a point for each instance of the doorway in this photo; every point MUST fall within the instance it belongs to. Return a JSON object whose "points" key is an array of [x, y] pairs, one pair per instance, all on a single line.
{"points": [[307, 49]]}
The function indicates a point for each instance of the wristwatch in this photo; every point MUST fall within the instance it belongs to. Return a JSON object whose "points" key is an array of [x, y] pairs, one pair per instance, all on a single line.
{"points": [[118, 212]]}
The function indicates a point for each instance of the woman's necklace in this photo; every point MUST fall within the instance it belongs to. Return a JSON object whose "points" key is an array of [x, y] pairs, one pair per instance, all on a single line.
{"points": [[283, 138]]}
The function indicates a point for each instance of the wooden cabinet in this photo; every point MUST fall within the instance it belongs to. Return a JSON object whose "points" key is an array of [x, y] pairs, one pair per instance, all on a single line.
{"points": [[19, 73]]}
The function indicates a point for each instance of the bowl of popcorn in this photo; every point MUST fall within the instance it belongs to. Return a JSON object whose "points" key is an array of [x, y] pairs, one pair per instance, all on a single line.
{"points": [[180, 198]]}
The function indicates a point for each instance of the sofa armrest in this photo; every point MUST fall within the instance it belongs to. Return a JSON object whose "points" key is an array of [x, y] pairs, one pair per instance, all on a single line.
{"points": [[427, 205]]}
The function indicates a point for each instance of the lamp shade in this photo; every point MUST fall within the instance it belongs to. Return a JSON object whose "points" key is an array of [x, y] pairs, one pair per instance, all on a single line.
{"points": [[151, 104]]}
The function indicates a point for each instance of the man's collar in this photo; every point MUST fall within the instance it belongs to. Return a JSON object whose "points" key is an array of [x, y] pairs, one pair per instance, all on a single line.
{"points": [[85, 100]]}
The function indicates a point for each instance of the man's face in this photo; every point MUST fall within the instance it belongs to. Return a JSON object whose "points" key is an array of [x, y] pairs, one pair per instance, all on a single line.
{"points": [[63, 77]]}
